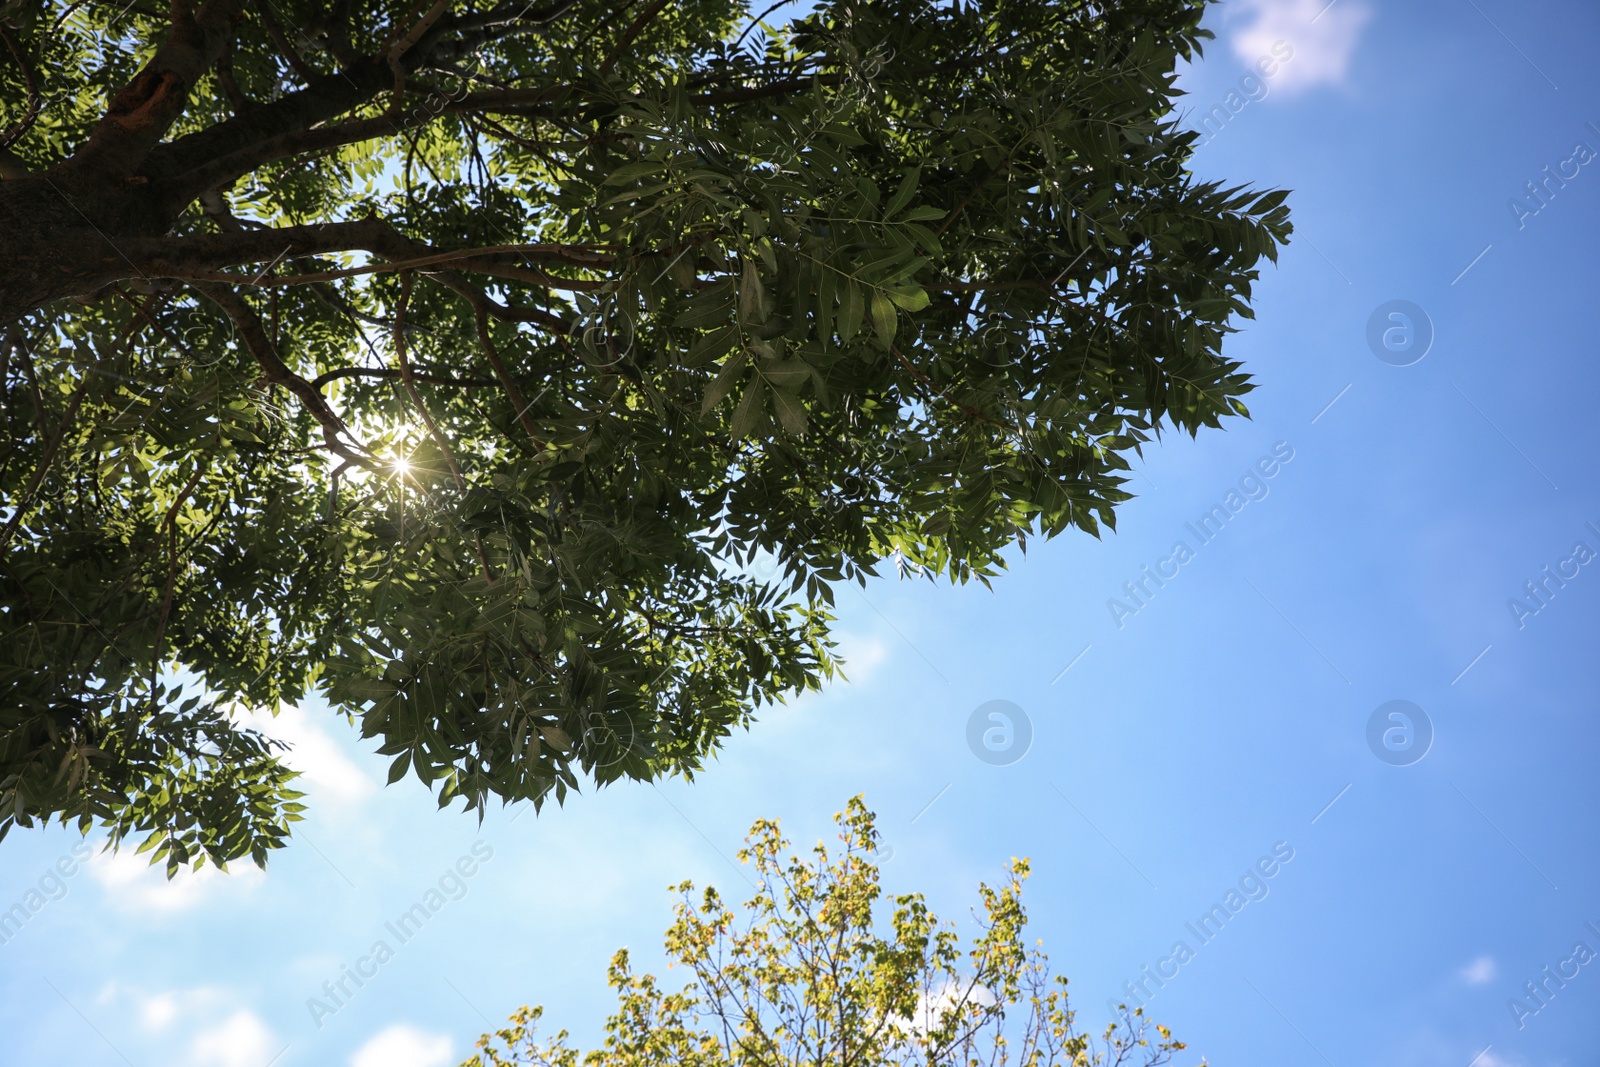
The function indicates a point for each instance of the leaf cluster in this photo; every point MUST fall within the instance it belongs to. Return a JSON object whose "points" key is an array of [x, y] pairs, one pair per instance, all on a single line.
{"points": [[823, 969], [573, 317]]}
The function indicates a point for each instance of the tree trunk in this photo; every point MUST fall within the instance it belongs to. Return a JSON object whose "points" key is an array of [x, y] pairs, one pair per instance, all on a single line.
{"points": [[55, 244]]}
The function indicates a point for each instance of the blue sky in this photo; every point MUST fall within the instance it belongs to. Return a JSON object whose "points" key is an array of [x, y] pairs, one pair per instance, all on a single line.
{"points": [[1225, 717]]}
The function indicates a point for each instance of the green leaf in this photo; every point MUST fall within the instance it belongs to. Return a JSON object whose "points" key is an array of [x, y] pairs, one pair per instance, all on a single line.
{"points": [[884, 319], [827, 290], [788, 374], [910, 298], [902, 196], [731, 370], [752, 305], [851, 307], [751, 409], [791, 412], [630, 172], [711, 346]]}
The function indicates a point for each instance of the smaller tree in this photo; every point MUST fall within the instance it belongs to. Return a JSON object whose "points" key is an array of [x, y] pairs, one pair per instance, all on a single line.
{"points": [[814, 976]]}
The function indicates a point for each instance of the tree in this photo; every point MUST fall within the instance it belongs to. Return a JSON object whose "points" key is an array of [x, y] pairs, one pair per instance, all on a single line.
{"points": [[455, 362], [814, 975]]}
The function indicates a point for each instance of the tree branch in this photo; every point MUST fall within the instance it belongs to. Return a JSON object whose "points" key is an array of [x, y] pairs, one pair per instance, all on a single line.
{"points": [[190, 163], [277, 372], [515, 13], [171, 523], [389, 373], [230, 85], [409, 379], [639, 24], [290, 54], [204, 258], [505, 377], [549, 281], [31, 80], [226, 150], [142, 112]]}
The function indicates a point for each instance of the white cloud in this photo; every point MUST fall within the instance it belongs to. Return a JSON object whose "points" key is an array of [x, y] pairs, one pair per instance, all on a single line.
{"points": [[403, 1046], [133, 884], [1479, 972], [1490, 1059], [240, 1040], [224, 1034], [930, 1009], [325, 769], [860, 654], [1323, 37], [158, 1011]]}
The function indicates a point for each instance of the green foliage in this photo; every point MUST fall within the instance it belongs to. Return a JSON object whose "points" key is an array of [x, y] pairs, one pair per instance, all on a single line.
{"points": [[818, 974], [899, 282]]}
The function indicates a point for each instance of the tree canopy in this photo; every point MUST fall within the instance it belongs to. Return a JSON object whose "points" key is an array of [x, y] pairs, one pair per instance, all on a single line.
{"points": [[816, 973], [458, 362]]}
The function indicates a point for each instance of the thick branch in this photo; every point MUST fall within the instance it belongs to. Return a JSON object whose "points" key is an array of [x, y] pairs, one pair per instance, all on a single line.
{"points": [[241, 138], [459, 257], [142, 112], [192, 258], [205, 257]]}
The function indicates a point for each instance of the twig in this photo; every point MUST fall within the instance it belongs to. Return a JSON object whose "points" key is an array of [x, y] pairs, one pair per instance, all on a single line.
{"points": [[277, 372], [409, 380], [170, 522], [30, 79], [25, 503], [279, 38], [505, 377], [385, 372], [628, 38]]}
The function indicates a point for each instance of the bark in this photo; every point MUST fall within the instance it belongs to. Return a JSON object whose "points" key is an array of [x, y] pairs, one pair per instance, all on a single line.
{"points": [[107, 213], [140, 115], [50, 248], [52, 245]]}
